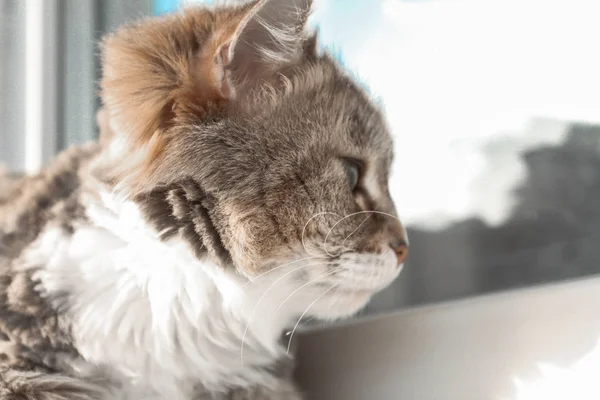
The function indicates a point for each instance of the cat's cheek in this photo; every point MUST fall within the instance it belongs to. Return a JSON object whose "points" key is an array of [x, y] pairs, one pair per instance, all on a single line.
{"points": [[251, 239], [241, 250], [245, 250]]}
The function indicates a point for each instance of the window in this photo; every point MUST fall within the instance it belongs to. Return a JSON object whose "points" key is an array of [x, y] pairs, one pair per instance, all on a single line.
{"points": [[44, 110], [494, 104]]}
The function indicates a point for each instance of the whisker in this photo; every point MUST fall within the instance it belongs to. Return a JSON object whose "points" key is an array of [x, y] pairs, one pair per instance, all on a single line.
{"points": [[303, 286], [302, 316], [354, 231], [334, 301], [261, 299], [281, 266], [351, 215], [306, 225]]}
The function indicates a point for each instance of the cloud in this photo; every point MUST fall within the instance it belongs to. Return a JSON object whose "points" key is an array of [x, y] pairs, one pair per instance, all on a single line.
{"points": [[456, 74]]}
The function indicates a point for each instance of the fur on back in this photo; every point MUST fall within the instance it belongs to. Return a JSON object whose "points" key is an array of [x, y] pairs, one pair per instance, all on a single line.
{"points": [[239, 185]]}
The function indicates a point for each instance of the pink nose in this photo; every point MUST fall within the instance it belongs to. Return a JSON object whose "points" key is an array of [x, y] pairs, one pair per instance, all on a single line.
{"points": [[400, 248]]}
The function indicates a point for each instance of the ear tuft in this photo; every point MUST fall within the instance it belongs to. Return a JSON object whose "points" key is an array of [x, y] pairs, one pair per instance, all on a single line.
{"points": [[310, 47], [151, 68]]}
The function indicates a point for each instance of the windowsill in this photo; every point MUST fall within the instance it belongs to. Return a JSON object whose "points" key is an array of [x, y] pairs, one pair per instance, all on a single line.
{"points": [[466, 349]]}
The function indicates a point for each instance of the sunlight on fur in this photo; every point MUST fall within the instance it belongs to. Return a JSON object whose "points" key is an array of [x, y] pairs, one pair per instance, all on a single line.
{"points": [[578, 382]]}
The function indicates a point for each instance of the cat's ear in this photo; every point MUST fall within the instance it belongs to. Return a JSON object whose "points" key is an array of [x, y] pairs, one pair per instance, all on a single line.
{"points": [[164, 70], [191, 62], [157, 68], [274, 35], [249, 43]]}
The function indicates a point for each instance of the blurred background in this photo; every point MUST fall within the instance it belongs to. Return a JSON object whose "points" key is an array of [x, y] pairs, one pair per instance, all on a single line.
{"points": [[494, 105]]}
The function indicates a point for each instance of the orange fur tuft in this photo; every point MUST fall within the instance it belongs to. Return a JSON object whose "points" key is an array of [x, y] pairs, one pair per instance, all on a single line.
{"points": [[168, 68]]}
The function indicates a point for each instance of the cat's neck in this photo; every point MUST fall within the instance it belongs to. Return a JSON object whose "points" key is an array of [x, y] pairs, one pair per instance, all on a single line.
{"points": [[154, 311]]}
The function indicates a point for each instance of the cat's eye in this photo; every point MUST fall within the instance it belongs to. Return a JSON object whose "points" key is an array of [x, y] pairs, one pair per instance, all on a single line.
{"points": [[352, 173]]}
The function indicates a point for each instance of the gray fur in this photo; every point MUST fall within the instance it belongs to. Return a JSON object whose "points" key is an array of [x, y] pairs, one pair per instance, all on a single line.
{"points": [[35, 336], [24, 385]]}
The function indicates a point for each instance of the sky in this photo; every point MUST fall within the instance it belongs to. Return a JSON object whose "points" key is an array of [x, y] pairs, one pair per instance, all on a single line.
{"points": [[467, 85]]}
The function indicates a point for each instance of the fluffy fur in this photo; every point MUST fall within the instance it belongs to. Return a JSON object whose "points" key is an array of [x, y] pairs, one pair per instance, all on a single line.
{"points": [[217, 209]]}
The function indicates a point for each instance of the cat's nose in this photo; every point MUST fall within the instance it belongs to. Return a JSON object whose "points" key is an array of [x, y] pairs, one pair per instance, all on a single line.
{"points": [[400, 247], [398, 240]]}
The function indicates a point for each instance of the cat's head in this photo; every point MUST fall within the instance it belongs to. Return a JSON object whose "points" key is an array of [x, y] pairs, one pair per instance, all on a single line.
{"points": [[232, 132]]}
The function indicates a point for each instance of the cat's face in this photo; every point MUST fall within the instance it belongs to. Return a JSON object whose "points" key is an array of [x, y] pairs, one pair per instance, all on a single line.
{"points": [[303, 174], [291, 179]]}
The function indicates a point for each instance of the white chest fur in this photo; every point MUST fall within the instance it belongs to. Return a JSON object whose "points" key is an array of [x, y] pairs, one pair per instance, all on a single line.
{"points": [[160, 319]]}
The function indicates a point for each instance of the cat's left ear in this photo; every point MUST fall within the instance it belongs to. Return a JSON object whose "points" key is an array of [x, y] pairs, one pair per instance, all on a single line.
{"points": [[161, 71], [273, 35], [250, 43]]}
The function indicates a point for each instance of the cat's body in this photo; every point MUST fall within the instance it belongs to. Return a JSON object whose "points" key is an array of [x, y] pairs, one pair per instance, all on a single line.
{"points": [[88, 284], [230, 196]]}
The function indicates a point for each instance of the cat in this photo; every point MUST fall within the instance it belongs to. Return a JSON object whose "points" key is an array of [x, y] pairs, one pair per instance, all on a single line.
{"points": [[240, 183]]}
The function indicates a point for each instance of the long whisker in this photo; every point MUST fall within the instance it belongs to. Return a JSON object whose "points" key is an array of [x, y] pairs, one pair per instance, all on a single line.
{"points": [[261, 299], [302, 316], [281, 266], [351, 215], [333, 302], [354, 231], [303, 286], [306, 225]]}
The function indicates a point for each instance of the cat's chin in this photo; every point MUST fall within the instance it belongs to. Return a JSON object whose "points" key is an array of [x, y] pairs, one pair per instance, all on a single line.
{"points": [[341, 304]]}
